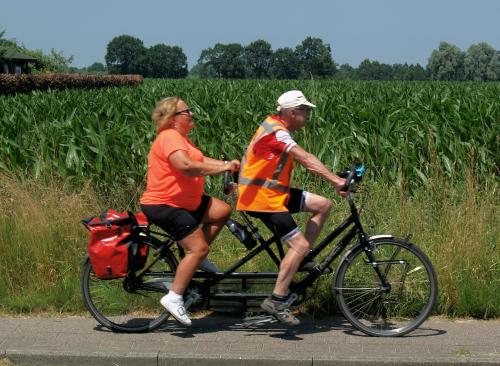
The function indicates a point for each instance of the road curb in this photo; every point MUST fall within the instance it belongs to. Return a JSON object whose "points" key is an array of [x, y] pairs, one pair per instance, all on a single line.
{"points": [[50, 358], [55, 358]]}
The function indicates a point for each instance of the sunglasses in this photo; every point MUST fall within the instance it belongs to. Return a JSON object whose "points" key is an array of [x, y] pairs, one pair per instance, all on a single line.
{"points": [[185, 111], [308, 110]]}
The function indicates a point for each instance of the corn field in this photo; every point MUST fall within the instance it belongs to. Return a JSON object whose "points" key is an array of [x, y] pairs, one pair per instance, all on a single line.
{"points": [[400, 130], [431, 149]]}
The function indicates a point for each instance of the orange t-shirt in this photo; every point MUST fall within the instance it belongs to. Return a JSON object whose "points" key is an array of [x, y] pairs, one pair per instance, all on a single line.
{"points": [[165, 184]]}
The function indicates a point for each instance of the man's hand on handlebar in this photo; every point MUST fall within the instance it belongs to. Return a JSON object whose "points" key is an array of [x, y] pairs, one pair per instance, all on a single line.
{"points": [[339, 186]]}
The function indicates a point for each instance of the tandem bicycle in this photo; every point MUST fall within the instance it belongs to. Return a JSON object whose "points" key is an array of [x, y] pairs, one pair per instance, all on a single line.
{"points": [[383, 285]]}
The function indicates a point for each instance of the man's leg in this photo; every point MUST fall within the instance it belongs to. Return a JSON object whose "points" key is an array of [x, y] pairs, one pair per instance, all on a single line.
{"points": [[320, 208], [298, 248], [276, 304]]}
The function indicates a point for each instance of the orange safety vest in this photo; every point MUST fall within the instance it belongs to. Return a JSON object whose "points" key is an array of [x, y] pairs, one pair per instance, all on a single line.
{"points": [[263, 185]]}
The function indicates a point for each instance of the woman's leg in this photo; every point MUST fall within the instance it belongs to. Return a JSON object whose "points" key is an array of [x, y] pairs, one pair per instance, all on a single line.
{"points": [[195, 246], [214, 218]]}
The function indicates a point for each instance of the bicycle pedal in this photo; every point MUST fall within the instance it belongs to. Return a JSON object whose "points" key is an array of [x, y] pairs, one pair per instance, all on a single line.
{"points": [[258, 320]]}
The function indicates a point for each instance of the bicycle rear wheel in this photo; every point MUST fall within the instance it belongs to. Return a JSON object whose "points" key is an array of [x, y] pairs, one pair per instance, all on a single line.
{"points": [[396, 309], [126, 304]]}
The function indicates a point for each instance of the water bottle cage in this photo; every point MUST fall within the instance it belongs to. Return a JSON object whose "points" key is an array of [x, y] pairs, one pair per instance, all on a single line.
{"points": [[241, 232]]}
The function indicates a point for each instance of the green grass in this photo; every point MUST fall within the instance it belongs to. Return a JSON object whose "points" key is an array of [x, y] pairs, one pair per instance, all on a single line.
{"points": [[458, 226], [432, 150]]}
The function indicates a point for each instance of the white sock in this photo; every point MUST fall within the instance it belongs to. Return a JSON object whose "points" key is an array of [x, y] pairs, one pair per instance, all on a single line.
{"points": [[174, 297]]}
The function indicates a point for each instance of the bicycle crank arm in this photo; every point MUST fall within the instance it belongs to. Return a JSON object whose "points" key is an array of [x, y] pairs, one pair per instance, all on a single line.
{"points": [[160, 283], [191, 298], [258, 320]]}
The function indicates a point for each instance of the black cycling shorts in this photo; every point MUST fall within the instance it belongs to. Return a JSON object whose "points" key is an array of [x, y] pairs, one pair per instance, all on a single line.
{"points": [[177, 222], [282, 223]]}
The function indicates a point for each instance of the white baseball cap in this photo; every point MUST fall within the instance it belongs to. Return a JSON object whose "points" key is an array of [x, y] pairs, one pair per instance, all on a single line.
{"points": [[291, 99]]}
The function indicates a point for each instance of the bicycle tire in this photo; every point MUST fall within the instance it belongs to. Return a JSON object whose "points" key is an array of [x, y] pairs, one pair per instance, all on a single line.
{"points": [[121, 311], [386, 312]]}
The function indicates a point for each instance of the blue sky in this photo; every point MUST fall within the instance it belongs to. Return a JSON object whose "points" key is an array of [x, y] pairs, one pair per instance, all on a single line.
{"points": [[390, 31]]}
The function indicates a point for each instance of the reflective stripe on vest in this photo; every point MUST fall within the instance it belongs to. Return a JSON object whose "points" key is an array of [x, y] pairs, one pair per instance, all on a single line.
{"points": [[266, 183]]}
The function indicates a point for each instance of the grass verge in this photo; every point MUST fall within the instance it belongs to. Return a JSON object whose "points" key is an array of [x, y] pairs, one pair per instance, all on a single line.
{"points": [[42, 242]]}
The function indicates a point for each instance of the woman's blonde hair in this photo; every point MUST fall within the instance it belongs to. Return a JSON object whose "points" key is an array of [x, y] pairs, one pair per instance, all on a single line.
{"points": [[164, 110]]}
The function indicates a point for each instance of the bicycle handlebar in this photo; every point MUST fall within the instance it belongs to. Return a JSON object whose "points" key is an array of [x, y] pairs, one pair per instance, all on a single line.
{"points": [[348, 181], [353, 175], [227, 180]]}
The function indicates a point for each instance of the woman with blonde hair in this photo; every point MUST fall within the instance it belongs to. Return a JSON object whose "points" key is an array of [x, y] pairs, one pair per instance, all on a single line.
{"points": [[174, 198]]}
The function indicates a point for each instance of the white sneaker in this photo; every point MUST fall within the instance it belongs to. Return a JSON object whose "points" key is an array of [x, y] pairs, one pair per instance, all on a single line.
{"points": [[176, 308]]}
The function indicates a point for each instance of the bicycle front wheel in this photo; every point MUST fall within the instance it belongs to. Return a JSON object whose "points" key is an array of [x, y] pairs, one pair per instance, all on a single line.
{"points": [[125, 304], [393, 308]]}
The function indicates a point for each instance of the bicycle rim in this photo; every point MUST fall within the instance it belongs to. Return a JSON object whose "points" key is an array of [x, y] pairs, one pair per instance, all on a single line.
{"points": [[393, 311], [127, 311]]}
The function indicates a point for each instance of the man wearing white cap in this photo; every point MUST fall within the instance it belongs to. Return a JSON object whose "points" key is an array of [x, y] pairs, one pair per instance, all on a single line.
{"points": [[265, 192]]}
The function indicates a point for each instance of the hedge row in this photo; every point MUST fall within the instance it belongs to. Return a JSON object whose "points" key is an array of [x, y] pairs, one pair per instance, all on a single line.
{"points": [[24, 83]]}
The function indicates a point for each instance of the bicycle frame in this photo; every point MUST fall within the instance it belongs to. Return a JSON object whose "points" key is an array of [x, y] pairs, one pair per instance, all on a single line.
{"points": [[370, 281], [351, 226]]}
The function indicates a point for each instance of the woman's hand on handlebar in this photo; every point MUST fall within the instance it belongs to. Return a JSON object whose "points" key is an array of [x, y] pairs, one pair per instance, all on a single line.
{"points": [[233, 165]]}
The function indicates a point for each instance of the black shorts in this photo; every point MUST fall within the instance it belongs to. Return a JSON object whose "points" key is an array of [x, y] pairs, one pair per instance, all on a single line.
{"points": [[177, 222], [282, 223]]}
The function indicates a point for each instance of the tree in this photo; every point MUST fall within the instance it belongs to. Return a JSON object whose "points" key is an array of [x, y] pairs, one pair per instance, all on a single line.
{"points": [[446, 63], [203, 71], [481, 63], [345, 72], [315, 58], [374, 70], [257, 59], [122, 54], [495, 67], [177, 63], [162, 61], [284, 64], [408, 72], [417, 72], [225, 60], [2, 49], [56, 61], [96, 67]]}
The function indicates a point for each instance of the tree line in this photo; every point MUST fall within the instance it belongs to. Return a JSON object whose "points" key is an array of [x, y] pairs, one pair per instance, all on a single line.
{"points": [[311, 58], [126, 54]]}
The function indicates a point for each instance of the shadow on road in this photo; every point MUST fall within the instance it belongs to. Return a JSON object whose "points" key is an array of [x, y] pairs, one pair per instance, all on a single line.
{"points": [[214, 323]]}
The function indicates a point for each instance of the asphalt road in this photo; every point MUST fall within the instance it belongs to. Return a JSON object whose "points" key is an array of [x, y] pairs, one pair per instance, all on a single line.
{"points": [[216, 340]]}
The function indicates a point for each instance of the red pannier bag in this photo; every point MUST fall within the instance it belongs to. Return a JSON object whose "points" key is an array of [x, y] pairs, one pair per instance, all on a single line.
{"points": [[112, 250]]}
